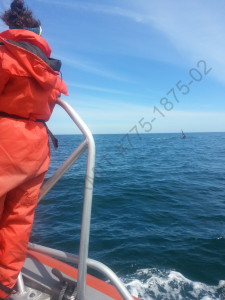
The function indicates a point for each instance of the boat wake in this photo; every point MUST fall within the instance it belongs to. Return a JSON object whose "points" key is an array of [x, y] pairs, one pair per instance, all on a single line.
{"points": [[149, 284]]}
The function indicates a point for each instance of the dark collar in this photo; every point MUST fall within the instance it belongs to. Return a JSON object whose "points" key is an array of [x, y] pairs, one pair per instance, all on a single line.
{"points": [[54, 64]]}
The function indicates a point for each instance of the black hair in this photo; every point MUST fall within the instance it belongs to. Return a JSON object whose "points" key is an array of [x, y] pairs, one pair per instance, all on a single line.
{"points": [[19, 16]]}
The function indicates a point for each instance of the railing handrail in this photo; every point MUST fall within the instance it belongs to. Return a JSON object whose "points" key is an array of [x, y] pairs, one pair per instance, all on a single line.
{"points": [[88, 144], [91, 263], [75, 155], [83, 260]]}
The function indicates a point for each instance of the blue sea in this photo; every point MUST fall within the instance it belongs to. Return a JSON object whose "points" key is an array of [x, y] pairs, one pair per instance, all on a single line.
{"points": [[158, 217]]}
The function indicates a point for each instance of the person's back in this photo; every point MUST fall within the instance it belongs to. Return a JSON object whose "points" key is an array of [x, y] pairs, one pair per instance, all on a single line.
{"points": [[29, 88]]}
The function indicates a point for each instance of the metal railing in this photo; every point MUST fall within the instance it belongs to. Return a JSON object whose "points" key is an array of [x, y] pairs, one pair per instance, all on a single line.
{"points": [[82, 260], [91, 263]]}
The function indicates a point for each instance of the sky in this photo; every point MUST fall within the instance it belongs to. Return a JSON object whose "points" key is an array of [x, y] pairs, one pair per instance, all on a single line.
{"points": [[146, 66]]}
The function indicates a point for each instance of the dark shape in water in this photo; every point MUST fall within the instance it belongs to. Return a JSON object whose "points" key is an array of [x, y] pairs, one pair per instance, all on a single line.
{"points": [[183, 136]]}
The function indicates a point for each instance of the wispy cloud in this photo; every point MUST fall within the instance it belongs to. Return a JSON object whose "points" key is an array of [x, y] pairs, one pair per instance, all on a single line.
{"points": [[115, 116], [192, 121], [92, 67], [195, 28], [98, 89], [100, 8]]}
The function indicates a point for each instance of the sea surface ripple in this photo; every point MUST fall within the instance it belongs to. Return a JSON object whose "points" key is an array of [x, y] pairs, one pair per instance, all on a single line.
{"points": [[158, 217]]}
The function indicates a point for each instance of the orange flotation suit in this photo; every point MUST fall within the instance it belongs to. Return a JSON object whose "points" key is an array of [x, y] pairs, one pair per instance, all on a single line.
{"points": [[29, 87]]}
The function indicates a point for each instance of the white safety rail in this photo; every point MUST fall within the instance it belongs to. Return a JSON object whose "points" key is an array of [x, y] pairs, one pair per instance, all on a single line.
{"points": [[82, 260]]}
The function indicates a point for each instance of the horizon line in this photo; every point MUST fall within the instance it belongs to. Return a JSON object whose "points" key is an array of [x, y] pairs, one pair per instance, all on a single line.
{"points": [[187, 132]]}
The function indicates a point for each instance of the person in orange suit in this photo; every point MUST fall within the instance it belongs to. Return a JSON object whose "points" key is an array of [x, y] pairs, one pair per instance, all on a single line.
{"points": [[29, 88]]}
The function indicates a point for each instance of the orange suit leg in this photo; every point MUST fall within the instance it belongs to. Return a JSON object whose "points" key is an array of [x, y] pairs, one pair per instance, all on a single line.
{"points": [[15, 228]]}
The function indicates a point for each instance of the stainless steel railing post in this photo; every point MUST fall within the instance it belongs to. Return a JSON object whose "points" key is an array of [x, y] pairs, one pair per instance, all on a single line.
{"points": [[87, 204], [82, 260]]}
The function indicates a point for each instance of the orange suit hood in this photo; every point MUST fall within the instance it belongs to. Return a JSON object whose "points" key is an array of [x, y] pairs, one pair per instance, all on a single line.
{"points": [[19, 35], [29, 75]]}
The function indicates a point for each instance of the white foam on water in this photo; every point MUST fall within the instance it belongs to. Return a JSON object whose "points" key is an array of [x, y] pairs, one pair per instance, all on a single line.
{"points": [[152, 284]]}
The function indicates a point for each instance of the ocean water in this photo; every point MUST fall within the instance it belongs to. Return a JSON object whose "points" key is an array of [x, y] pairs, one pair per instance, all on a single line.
{"points": [[158, 217]]}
